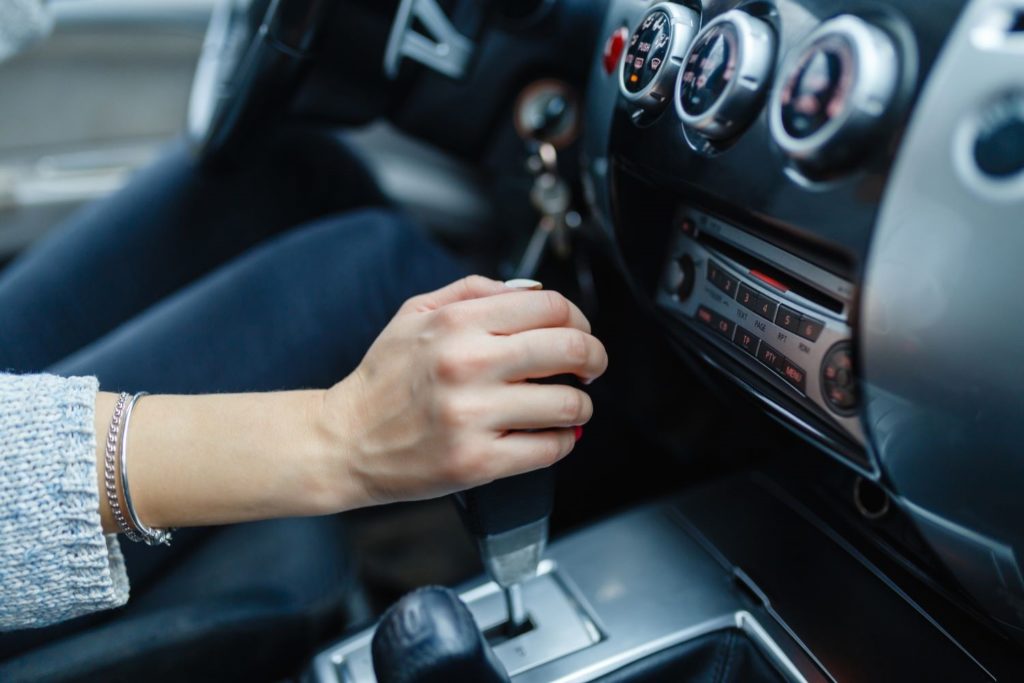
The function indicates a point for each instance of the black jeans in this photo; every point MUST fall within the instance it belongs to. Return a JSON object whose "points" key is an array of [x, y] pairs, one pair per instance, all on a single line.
{"points": [[189, 282]]}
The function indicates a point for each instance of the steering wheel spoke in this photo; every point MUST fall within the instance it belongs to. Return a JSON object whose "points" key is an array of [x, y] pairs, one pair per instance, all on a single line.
{"points": [[445, 50], [251, 58]]}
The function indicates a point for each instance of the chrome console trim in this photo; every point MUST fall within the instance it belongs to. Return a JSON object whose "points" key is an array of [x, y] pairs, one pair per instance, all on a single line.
{"points": [[754, 64], [876, 74], [643, 583], [685, 23]]}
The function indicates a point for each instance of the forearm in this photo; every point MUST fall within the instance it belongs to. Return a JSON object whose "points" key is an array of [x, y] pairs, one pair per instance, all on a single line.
{"points": [[224, 458], [441, 402]]}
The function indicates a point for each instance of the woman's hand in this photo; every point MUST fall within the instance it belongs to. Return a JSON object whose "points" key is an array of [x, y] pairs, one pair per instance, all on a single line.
{"points": [[441, 401]]}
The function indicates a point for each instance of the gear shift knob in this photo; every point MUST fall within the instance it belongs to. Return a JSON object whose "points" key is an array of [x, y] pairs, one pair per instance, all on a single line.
{"points": [[509, 520], [429, 636], [501, 515]]}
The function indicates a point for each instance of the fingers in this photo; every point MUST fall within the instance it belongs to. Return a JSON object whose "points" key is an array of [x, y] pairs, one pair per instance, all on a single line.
{"points": [[518, 311], [554, 351], [537, 406], [520, 452], [471, 287]]}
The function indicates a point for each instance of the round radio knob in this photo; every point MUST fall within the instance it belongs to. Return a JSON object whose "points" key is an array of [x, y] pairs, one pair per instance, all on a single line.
{"points": [[680, 277], [837, 88], [838, 382], [654, 52], [725, 74]]}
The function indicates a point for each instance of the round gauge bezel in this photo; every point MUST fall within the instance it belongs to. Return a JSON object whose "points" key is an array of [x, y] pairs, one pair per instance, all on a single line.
{"points": [[684, 21], [875, 79], [754, 59], [1009, 188]]}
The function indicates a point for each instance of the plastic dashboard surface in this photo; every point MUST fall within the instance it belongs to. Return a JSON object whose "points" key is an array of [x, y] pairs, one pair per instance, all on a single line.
{"points": [[791, 226], [863, 176]]}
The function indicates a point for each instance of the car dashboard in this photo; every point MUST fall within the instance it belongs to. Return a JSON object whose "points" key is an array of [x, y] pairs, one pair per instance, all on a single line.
{"points": [[818, 204], [821, 202]]}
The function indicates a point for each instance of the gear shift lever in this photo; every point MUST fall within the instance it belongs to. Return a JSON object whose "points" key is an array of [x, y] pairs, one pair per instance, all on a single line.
{"points": [[429, 636], [509, 520]]}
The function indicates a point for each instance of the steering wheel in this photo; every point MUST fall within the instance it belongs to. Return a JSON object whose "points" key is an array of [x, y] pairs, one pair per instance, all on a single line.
{"points": [[251, 56]]}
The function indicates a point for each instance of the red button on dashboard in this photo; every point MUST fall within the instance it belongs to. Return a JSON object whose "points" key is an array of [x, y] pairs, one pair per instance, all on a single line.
{"points": [[613, 49]]}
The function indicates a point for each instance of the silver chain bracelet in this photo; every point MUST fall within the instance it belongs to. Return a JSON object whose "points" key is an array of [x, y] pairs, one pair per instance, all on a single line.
{"points": [[148, 535], [109, 470], [136, 530]]}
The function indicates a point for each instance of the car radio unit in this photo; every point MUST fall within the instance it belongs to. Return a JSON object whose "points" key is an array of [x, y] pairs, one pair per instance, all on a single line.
{"points": [[783, 318]]}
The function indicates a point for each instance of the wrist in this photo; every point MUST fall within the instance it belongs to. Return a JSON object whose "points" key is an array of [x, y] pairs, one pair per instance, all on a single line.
{"points": [[336, 483]]}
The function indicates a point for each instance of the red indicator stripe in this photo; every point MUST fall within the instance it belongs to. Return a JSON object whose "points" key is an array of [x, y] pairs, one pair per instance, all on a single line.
{"points": [[771, 282]]}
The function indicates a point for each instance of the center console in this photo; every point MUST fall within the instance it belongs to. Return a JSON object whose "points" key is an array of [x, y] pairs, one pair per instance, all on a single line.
{"points": [[737, 580], [613, 595]]}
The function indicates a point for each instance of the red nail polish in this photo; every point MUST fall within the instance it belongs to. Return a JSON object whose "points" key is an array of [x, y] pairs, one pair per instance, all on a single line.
{"points": [[577, 432]]}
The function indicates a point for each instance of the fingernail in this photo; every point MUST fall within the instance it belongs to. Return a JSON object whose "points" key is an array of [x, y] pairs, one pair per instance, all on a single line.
{"points": [[523, 283], [577, 431]]}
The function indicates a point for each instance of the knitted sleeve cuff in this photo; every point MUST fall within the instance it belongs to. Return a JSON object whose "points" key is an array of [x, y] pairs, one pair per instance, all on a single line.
{"points": [[55, 561]]}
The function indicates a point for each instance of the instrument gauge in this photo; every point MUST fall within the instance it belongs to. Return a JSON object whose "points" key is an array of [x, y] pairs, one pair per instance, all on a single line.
{"points": [[835, 93], [817, 91], [725, 75], [654, 52]]}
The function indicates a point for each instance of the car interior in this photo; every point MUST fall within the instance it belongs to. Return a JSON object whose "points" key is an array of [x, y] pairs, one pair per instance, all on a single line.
{"points": [[805, 460]]}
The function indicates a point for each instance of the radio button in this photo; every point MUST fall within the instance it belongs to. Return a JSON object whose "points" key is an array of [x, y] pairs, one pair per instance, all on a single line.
{"points": [[766, 308], [770, 357], [794, 374], [810, 328], [788, 319], [746, 340], [722, 326], [719, 278], [748, 298], [762, 305], [843, 400]]}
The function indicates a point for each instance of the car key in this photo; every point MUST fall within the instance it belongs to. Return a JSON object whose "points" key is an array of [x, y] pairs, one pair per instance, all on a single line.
{"points": [[552, 198]]}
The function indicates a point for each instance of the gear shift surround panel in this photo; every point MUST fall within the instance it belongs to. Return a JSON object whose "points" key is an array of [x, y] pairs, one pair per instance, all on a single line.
{"points": [[608, 595], [560, 626]]}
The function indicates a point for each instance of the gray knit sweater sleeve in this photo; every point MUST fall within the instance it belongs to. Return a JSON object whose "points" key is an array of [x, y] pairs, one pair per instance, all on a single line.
{"points": [[55, 561]]}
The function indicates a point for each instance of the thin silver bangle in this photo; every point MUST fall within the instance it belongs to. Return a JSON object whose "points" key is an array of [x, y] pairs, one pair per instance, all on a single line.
{"points": [[148, 535], [110, 470]]}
